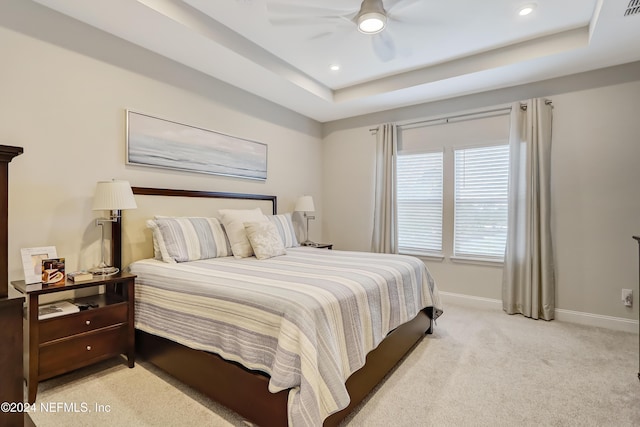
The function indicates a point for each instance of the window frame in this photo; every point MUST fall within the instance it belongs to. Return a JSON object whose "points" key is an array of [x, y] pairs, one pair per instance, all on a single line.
{"points": [[448, 148], [416, 251], [469, 258]]}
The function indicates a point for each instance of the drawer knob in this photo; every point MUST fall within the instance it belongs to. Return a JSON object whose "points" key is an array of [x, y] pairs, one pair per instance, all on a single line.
{"points": [[88, 348], [87, 322]]}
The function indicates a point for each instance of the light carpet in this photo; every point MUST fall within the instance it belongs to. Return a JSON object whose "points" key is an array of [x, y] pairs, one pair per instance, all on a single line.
{"points": [[479, 368]]}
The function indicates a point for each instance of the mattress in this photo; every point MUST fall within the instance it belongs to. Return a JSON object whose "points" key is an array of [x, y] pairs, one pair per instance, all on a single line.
{"points": [[307, 318]]}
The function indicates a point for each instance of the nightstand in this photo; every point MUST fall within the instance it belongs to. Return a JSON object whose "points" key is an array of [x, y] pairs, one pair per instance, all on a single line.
{"points": [[320, 245], [324, 245], [57, 345]]}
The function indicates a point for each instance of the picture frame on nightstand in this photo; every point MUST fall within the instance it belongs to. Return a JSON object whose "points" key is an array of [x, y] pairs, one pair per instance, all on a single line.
{"points": [[32, 262], [53, 271]]}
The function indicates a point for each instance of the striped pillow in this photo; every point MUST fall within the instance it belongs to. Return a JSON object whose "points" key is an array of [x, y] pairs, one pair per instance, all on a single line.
{"points": [[285, 228], [189, 238]]}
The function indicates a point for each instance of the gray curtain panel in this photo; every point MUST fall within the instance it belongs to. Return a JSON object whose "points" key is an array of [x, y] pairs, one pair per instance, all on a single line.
{"points": [[528, 283], [385, 217]]}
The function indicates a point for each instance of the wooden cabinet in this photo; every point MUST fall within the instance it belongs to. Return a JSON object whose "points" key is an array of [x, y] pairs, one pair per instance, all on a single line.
{"points": [[64, 343], [11, 384]]}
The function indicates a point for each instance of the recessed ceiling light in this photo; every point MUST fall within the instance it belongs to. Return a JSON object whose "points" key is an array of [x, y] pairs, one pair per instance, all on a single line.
{"points": [[334, 67], [527, 9]]}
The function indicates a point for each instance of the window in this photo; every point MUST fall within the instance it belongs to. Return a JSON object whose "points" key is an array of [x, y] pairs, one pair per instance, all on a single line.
{"points": [[452, 179], [419, 181], [481, 185]]}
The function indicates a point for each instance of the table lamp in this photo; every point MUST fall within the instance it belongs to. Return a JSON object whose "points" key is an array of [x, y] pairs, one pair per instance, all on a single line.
{"points": [[110, 196], [305, 204]]}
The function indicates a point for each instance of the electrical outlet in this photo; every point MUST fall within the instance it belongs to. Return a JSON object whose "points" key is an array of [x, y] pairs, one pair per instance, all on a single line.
{"points": [[627, 297]]}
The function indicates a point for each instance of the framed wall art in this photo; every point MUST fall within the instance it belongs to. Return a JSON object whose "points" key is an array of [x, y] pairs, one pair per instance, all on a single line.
{"points": [[161, 143]]}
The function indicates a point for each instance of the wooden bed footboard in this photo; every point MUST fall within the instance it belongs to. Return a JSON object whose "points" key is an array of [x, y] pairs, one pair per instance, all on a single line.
{"points": [[246, 392], [239, 389]]}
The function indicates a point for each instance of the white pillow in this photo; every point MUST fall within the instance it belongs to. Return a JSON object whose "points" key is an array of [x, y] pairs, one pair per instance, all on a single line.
{"points": [[265, 239], [233, 221]]}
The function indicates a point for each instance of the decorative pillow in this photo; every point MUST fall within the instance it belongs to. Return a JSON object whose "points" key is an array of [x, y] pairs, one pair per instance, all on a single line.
{"points": [[189, 238], [233, 221], [284, 225], [265, 239]]}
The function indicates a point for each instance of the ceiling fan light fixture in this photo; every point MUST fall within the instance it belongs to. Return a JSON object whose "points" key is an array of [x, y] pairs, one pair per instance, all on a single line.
{"points": [[371, 22]]}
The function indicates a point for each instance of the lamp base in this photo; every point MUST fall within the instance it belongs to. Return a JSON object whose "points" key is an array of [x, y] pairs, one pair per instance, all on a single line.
{"points": [[104, 271], [308, 243]]}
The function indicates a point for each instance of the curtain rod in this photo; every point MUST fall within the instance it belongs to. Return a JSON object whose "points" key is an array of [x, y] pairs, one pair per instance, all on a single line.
{"points": [[523, 107], [467, 116]]}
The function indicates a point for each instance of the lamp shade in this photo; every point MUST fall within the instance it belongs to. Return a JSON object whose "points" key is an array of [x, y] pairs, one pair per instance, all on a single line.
{"points": [[113, 195], [305, 204]]}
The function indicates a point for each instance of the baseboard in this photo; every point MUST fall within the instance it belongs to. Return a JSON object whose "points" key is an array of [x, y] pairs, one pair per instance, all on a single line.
{"points": [[471, 301], [562, 315], [597, 320]]}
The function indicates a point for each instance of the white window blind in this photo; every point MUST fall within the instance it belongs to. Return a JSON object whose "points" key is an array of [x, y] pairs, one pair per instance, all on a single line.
{"points": [[419, 196], [480, 211]]}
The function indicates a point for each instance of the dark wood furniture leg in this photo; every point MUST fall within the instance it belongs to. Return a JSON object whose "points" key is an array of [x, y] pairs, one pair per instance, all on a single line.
{"points": [[127, 291], [11, 385], [637, 238], [32, 338]]}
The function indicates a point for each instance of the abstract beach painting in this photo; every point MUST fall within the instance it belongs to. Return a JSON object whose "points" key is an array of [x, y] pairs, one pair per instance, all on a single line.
{"points": [[161, 143]]}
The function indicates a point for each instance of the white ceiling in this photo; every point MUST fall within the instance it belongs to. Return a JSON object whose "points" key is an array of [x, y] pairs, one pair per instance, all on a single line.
{"points": [[281, 50]]}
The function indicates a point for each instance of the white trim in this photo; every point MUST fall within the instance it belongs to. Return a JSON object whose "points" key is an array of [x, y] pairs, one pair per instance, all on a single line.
{"points": [[423, 255], [561, 315], [597, 320], [477, 261], [471, 301]]}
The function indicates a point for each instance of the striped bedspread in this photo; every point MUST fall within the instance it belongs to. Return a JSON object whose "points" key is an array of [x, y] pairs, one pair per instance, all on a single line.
{"points": [[307, 318]]}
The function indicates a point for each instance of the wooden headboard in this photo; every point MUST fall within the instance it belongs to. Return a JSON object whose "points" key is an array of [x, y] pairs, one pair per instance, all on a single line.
{"points": [[131, 239]]}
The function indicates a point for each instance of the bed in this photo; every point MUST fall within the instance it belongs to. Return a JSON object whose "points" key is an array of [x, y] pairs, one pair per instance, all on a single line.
{"points": [[280, 340]]}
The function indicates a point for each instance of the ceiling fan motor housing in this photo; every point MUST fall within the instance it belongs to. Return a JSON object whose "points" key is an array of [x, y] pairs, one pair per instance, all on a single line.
{"points": [[371, 18]]}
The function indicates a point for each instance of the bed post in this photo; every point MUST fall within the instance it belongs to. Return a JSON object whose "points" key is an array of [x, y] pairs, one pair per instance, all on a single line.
{"points": [[116, 243]]}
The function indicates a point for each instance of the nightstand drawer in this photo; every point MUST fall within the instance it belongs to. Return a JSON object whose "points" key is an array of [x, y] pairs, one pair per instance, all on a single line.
{"points": [[67, 354], [84, 321]]}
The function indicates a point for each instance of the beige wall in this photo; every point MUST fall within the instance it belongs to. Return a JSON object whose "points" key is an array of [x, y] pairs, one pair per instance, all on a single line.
{"points": [[596, 198], [596, 201], [66, 107]]}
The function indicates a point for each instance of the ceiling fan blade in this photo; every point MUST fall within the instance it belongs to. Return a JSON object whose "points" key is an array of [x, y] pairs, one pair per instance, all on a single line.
{"points": [[321, 35], [394, 6], [308, 10], [306, 20], [412, 20], [383, 46]]}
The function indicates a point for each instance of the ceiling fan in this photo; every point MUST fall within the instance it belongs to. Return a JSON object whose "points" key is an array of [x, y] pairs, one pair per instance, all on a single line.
{"points": [[371, 18]]}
